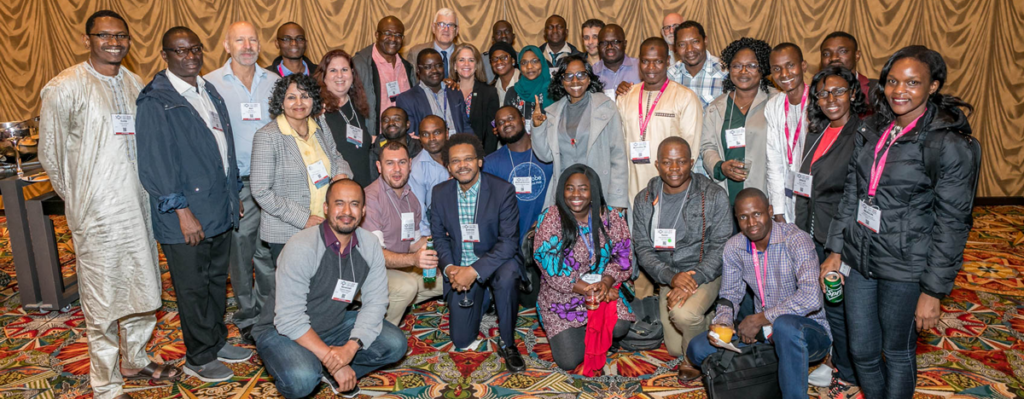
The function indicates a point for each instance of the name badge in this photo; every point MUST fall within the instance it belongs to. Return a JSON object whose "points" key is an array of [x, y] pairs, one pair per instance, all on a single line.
{"points": [[844, 269], [665, 239], [345, 291], [252, 111], [470, 232], [122, 123], [392, 88], [451, 132], [215, 121], [802, 184], [318, 174], [869, 216], [736, 138], [408, 226], [524, 185], [790, 177], [640, 151], [591, 278], [354, 135], [767, 331]]}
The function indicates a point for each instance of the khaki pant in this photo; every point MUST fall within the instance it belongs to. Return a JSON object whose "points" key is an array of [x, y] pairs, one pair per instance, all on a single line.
{"points": [[643, 287], [689, 320], [405, 287]]}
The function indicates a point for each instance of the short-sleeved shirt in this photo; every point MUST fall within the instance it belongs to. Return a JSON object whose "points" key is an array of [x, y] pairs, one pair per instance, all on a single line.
{"points": [[384, 209], [508, 165]]}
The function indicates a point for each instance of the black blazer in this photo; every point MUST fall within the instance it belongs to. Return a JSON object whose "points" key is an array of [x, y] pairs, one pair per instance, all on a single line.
{"points": [[414, 102], [483, 106], [829, 180]]}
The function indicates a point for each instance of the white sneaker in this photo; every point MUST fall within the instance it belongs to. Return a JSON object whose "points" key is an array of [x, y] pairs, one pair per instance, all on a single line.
{"points": [[821, 376]]}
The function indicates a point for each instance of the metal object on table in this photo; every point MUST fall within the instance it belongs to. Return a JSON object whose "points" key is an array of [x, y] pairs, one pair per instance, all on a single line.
{"points": [[17, 136], [55, 291]]}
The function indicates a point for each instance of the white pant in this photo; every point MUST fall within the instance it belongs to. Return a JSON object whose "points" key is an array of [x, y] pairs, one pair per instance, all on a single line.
{"points": [[105, 347]]}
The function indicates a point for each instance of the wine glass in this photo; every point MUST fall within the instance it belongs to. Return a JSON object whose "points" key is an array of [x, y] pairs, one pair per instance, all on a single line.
{"points": [[466, 302], [14, 133]]}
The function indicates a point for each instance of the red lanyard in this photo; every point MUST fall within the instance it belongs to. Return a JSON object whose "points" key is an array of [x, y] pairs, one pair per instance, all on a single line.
{"points": [[757, 271], [791, 143], [879, 165], [644, 120]]}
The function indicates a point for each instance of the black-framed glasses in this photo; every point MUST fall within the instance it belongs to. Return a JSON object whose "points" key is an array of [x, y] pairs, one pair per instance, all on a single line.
{"points": [[198, 49], [568, 77], [502, 58], [107, 36], [836, 92], [616, 43], [289, 39], [392, 35]]}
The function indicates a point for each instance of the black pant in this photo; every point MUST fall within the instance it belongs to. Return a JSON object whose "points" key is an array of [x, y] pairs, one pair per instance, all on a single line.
{"points": [[275, 251], [568, 349], [200, 275], [465, 322], [836, 315]]}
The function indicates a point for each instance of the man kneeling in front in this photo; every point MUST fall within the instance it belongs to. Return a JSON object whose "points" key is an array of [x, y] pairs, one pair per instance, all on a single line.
{"points": [[308, 330]]}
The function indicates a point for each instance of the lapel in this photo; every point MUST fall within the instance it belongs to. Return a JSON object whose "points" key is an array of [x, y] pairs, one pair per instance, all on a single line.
{"points": [[599, 119]]}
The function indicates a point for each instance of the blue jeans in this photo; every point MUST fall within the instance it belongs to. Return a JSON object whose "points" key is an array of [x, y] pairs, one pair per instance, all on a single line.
{"points": [[297, 371], [882, 323], [798, 342]]}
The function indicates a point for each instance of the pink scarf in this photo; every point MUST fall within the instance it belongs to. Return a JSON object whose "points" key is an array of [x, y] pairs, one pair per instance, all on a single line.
{"points": [[600, 324], [389, 73]]}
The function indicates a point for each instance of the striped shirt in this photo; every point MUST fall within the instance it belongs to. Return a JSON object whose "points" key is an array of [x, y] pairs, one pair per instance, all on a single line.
{"points": [[707, 83]]}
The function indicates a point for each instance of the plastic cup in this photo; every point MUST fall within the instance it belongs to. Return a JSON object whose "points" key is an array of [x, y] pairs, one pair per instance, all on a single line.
{"points": [[724, 333]]}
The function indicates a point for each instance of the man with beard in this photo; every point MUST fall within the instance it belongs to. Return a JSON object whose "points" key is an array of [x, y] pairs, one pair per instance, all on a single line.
{"points": [[394, 126], [695, 67], [393, 214], [475, 224], [786, 118], [841, 48], [308, 330], [190, 172], [590, 30], [668, 29], [555, 47], [427, 168], [90, 109], [445, 30], [291, 40], [615, 67], [383, 73], [246, 90], [501, 32], [433, 97], [516, 163]]}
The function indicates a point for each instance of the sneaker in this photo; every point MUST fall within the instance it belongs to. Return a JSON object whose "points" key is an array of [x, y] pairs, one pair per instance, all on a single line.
{"points": [[840, 389], [821, 376], [214, 371], [233, 354]]}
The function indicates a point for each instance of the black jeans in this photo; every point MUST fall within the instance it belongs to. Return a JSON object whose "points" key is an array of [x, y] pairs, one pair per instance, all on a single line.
{"points": [[836, 315], [200, 276], [567, 347]]}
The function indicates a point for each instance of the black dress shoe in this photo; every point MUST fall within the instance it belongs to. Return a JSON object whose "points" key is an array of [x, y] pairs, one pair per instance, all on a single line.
{"points": [[246, 334], [513, 360]]}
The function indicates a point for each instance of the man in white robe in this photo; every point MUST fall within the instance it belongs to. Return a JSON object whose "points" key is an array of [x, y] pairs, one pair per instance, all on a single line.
{"points": [[87, 146]]}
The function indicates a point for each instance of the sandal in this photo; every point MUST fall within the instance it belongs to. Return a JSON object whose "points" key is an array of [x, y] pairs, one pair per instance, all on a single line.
{"points": [[167, 372]]}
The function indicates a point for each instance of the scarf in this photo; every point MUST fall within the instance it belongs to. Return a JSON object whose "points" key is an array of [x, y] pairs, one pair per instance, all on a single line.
{"points": [[529, 89], [600, 324]]}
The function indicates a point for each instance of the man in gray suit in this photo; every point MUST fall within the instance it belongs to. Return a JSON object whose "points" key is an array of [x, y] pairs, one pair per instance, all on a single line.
{"points": [[445, 29]]}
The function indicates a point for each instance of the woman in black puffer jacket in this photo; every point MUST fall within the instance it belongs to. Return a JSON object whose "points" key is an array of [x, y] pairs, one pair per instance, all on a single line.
{"points": [[904, 218]]}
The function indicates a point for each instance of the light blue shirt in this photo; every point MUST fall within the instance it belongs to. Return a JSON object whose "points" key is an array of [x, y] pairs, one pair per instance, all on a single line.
{"points": [[234, 94], [629, 71], [448, 56], [424, 174]]}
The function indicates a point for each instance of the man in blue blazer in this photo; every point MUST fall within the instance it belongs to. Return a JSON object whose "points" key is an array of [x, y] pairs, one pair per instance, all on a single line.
{"points": [[474, 221], [432, 97]]}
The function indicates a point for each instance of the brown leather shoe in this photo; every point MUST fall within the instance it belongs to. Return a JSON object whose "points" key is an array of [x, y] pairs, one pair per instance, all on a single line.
{"points": [[687, 372]]}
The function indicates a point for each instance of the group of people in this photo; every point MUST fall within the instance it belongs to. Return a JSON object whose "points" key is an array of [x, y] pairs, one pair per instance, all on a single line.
{"points": [[572, 181]]}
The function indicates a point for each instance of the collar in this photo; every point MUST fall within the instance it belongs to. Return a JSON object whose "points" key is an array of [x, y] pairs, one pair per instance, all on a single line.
{"points": [[424, 156], [260, 72], [627, 62], [183, 87], [286, 129], [448, 52], [384, 186], [475, 190], [428, 90], [379, 59], [281, 69], [776, 236], [331, 240]]}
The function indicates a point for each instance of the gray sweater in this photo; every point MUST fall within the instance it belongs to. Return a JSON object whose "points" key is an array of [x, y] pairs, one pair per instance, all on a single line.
{"points": [[717, 224]]}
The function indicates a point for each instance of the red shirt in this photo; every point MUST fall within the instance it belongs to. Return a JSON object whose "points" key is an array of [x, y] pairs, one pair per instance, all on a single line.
{"points": [[827, 139]]}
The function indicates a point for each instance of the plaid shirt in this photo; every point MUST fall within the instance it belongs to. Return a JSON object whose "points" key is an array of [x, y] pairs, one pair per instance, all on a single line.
{"points": [[791, 281], [467, 214], [708, 82]]}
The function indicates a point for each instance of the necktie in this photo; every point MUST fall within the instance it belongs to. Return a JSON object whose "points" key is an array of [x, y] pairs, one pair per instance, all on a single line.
{"points": [[444, 63]]}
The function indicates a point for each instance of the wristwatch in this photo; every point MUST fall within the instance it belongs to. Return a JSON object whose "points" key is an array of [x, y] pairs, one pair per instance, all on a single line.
{"points": [[358, 342]]}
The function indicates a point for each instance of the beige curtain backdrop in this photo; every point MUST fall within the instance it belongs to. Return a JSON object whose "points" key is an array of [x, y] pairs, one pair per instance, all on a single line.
{"points": [[980, 40]]}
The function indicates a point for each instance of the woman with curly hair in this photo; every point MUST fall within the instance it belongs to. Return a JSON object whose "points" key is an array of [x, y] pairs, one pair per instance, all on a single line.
{"points": [[346, 113], [734, 139], [293, 161], [904, 217], [581, 127], [582, 247]]}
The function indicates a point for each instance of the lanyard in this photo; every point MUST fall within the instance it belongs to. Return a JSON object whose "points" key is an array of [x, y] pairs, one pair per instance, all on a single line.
{"points": [[393, 205], [476, 206], [444, 109], [587, 238], [879, 165], [347, 120], [514, 162], [682, 208], [791, 143], [350, 265], [757, 271], [645, 119]]}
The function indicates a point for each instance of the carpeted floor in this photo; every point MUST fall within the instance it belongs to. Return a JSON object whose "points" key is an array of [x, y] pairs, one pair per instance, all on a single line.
{"points": [[976, 352]]}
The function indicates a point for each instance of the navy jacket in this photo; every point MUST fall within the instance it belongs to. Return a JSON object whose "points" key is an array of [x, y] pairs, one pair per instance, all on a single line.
{"points": [[497, 217], [414, 102], [179, 164]]}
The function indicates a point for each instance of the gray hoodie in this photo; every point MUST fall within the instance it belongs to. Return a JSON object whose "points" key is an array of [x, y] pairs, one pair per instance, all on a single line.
{"points": [[716, 222]]}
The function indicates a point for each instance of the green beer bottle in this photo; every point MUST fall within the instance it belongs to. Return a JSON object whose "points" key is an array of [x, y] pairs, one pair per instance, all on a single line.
{"points": [[430, 275]]}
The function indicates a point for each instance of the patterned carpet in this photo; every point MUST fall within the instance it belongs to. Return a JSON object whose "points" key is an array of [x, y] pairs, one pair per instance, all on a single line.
{"points": [[976, 352]]}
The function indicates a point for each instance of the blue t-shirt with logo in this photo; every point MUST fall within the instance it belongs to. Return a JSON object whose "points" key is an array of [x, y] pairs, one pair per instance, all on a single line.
{"points": [[509, 165]]}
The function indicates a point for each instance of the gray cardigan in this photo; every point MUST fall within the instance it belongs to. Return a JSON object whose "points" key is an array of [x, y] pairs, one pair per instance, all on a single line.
{"points": [[279, 180], [711, 147], [606, 149], [717, 225]]}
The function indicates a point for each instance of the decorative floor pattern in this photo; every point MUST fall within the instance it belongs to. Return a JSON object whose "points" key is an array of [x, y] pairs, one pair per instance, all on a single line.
{"points": [[977, 351]]}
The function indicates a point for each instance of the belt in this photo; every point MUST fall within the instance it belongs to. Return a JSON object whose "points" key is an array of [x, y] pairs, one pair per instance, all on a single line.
{"points": [[245, 178]]}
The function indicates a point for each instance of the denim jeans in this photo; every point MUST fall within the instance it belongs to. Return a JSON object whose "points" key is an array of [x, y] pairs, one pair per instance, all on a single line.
{"points": [[836, 315], [882, 323], [297, 371], [798, 342]]}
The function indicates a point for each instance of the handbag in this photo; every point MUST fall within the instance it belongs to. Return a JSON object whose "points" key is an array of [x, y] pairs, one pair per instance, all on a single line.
{"points": [[751, 374]]}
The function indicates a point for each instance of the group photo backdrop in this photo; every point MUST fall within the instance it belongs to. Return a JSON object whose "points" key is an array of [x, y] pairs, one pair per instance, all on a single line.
{"points": [[982, 41]]}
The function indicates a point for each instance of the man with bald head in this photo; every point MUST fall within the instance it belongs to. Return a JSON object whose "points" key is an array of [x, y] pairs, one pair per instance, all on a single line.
{"points": [[668, 31], [615, 67], [291, 40], [383, 72], [555, 47], [189, 170], [445, 30], [246, 90], [501, 32]]}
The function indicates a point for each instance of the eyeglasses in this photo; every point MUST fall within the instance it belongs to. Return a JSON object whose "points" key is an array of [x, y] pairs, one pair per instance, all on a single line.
{"points": [[289, 39], [615, 43], [106, 36], [836, 92], [501, 58], [185, 50], [431, 66], [446, 25], [669, 28], [457, 162], [581, 75], [739, 67], [391, 35], [503, 122]]}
